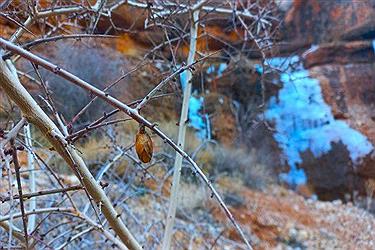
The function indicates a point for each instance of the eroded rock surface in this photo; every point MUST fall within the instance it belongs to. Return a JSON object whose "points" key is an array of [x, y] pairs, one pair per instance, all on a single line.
{"points": [[342, 58]]}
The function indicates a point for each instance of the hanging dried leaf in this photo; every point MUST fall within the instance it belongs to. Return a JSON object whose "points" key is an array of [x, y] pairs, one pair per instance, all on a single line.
{"points": [[143, 145]]}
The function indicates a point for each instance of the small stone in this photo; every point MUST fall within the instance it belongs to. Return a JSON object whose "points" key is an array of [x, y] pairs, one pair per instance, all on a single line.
{"points": [[303, 235]]}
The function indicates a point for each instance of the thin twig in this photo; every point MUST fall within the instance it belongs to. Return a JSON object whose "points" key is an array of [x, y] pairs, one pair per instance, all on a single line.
{"points": [[157, 88], [73, 137], [75, 118], [43, 192], [39, 41], [38, 211], [14, 89], [19, 186], [126, 109]]}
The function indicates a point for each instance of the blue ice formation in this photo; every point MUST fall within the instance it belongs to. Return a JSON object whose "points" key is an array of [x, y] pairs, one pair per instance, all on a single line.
{"points": [[304, 121], [196, 120], [195, 105], [219, 69]]}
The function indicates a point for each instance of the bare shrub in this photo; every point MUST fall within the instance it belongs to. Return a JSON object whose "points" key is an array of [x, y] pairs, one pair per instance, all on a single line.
{"points": [[98, 65], [105, 206], [244, 165]]}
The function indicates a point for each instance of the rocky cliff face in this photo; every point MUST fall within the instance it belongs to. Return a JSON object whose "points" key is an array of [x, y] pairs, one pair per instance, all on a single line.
{"points": [[335, 42], [342, 58]]}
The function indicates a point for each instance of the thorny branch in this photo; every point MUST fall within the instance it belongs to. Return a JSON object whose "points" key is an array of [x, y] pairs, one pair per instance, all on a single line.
{"points": [[19, 187], [65, 20], [125, 108]]}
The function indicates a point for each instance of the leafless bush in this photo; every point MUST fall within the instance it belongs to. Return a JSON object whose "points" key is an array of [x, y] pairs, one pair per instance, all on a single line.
{"points": [[98, 65], [115, 194], [244, 166]]}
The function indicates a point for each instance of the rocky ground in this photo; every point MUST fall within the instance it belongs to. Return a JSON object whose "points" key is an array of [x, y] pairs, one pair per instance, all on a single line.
{"points": [[282, 219], [276, 218]]}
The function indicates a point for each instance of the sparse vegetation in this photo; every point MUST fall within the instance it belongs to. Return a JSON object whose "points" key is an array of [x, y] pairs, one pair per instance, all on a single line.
{"points": [[81, 80]]}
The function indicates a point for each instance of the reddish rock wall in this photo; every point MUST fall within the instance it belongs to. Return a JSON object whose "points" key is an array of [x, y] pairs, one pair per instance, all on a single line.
{"points": [[343, 61]]}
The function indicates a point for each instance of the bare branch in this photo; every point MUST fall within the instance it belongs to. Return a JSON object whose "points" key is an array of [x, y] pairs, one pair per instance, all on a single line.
{"points": [[43, 192], [36, 42], [32, 111], [13, 133], [59, 143], [158, 87], [168, 234], [19, 187], [16, 233], [38, 211]]}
